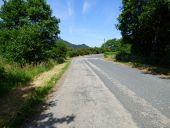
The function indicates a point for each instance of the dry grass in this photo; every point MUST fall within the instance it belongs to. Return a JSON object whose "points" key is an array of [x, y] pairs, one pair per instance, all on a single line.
{"points": [[11, 103], [46, 76]]}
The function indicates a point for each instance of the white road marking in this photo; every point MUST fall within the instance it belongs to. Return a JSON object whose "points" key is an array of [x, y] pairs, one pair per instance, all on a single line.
{"points": [[157, 118]]}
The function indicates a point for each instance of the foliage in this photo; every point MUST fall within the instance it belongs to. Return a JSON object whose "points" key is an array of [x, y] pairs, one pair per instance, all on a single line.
{"points": [[112, 44], [145, 25], [22, 46], [84, 51], [123, 56], [110, 55], [12, 75], [59, 51], [28, 31], [116, 45], [119, 50], [13, 14]]}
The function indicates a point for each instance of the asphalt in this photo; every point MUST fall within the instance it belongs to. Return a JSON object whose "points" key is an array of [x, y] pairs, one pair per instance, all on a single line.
{"points": [[101, 94]]}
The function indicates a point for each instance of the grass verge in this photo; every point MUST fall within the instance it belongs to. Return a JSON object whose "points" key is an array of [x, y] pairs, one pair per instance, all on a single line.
{"points": [[146, 68], [12, 75], [29, 108]]}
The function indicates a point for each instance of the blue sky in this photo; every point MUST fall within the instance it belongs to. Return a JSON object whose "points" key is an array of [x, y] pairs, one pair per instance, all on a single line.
{"points": [[87, 21]]}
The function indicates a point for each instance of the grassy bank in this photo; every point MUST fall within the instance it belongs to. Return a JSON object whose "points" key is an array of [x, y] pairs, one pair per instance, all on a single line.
{"points": [[12, 75], [110, 55], [140, 63], [37, 96]]}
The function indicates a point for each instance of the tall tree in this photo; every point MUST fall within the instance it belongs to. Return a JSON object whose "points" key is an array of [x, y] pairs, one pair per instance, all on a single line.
{"points": [[13, 14], [145, 24], [129, 23], [40, 14], [155, 19], [28, 30]]}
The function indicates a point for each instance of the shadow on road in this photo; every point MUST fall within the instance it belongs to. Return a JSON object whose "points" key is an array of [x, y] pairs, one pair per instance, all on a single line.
{"points": [[163, 73], [162, 76], [48, 120]]}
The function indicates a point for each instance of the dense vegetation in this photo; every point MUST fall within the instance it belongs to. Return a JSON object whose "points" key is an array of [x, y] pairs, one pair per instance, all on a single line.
{"points": [[28, 31], [117, 49], [28, 41], [145, 25], [12, 75], [72, 52], [116, 45]]}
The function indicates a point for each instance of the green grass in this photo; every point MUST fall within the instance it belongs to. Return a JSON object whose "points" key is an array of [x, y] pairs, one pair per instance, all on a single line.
{"points": [[12, 75], [140, 63], [37, 97], [109, 54]]}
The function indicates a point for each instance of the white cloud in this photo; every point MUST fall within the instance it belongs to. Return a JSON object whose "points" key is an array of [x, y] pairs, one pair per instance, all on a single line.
{"points": [[86, 7], [70, 8]]}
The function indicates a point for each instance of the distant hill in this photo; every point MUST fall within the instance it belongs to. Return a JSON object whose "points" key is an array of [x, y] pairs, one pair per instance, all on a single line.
{"points": [[74, 45]]}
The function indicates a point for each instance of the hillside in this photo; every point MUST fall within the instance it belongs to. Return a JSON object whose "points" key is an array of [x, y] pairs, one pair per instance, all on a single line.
{"points": [[74, 45]]}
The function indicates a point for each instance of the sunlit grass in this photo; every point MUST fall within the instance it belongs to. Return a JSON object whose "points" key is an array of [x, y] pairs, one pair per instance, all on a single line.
{"points": [[12, 75], [29, 108]]}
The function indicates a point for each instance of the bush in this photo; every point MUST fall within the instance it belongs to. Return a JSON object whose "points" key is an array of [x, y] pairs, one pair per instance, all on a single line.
{"points": [[123, 56], [28, 32], [83, 51], [59, 51]]}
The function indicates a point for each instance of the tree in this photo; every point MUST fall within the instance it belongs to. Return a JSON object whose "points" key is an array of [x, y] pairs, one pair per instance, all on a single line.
{"points": [[129, 23], [40, 13], [145, 24], [28, 30], [13, 14], [113, 44], [59, 51], [155, 19]]}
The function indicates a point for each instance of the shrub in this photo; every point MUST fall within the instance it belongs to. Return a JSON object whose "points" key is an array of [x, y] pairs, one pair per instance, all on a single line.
{"points": [[59, 51], [123, 56]]}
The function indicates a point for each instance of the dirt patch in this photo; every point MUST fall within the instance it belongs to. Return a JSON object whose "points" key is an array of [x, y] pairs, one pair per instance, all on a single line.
{"points": [[12, 102]]}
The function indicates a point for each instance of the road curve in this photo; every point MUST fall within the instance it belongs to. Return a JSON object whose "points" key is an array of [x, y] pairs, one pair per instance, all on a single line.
{"points": [[100, 94]]}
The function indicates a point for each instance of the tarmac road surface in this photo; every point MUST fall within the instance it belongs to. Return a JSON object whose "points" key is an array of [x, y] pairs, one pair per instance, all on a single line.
{"points": [[100, 94]]}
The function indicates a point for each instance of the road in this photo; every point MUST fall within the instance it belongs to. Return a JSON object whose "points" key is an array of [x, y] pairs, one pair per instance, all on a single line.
{"points": [[100, 94]]}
